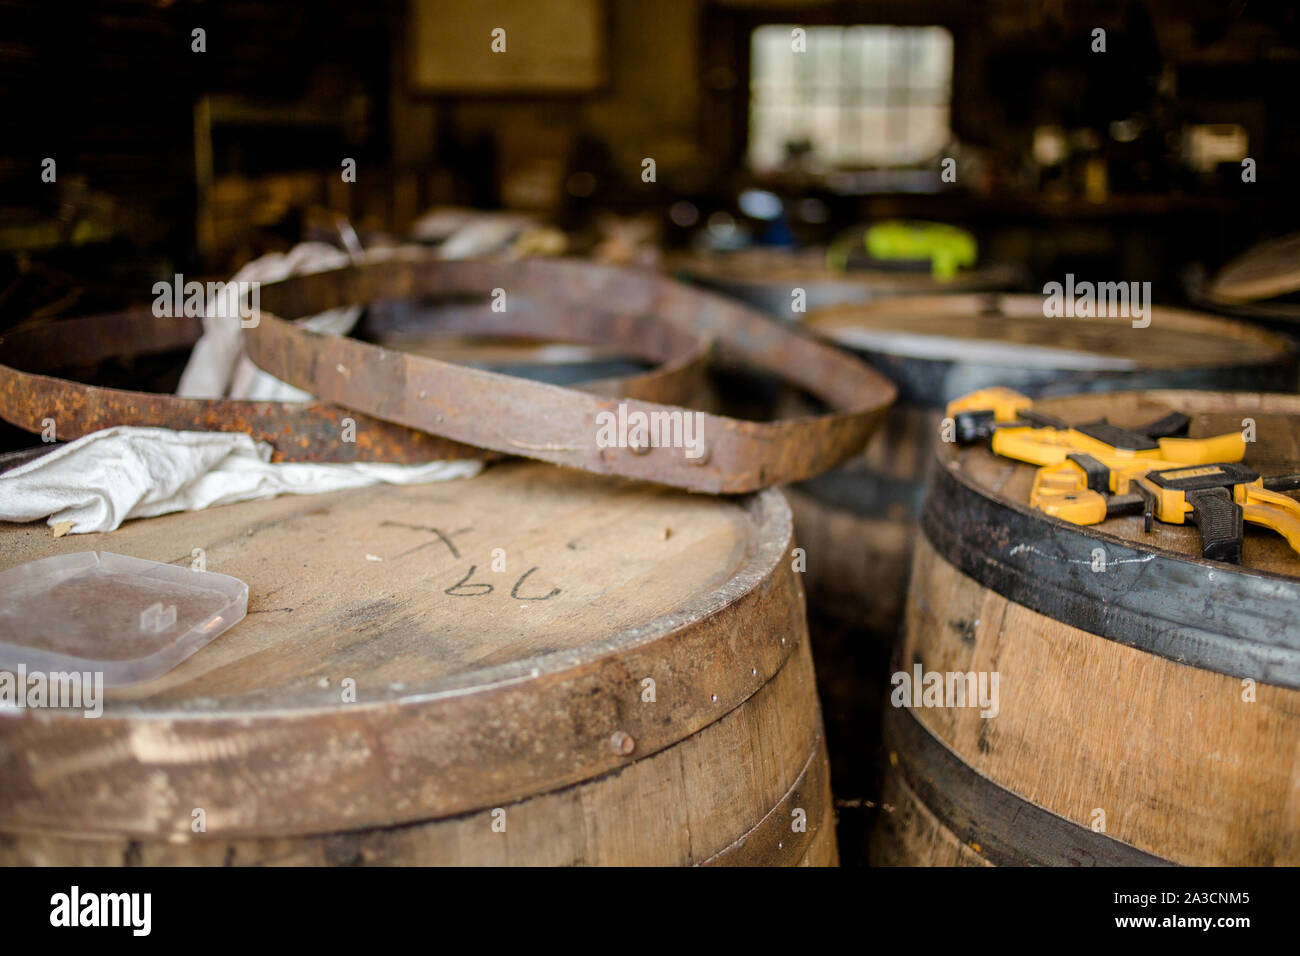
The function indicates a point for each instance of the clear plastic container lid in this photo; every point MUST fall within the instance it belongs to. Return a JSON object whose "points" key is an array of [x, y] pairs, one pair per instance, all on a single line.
{"points": [[130, 618]]}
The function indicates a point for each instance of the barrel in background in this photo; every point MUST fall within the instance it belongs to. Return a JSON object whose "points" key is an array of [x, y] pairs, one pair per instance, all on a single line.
{"points": [[548, 668], [858, 523], [847, 654], [767, 278], [1148, 711]]}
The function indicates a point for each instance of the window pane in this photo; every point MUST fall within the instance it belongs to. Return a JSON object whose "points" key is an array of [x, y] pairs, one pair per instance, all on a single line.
{"points": [[929, 130], [863, 95]]}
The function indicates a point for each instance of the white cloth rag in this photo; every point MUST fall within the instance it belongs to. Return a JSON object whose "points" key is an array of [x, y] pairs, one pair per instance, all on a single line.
{"points": [[218, 367], [110, 476], [105, 478]]}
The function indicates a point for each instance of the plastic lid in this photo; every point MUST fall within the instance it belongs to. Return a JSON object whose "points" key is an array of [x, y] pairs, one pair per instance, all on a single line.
{"points": [[130, 618]]}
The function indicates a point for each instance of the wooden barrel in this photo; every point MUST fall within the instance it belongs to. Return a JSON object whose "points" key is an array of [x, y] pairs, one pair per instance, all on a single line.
{"points": [[1281, 313], [1148, 700], [767, 278], [535, 666], [858, 523]]}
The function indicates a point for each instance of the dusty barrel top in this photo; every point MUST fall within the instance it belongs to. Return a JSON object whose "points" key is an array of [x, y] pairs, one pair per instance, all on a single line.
{"points": [[939, 347], [778, 266], [1155, 591], [473, 686], [1264, 271], [767, 278]]}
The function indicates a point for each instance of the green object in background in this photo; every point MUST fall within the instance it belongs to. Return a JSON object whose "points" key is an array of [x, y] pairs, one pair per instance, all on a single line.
{"points": [[945, 247]]}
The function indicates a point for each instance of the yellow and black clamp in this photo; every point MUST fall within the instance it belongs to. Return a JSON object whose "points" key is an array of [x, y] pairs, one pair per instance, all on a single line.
{"points": [[1218, 499], [1015, 430], [1088, 473]]}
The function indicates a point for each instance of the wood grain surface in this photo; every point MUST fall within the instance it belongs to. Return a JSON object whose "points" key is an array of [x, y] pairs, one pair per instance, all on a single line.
{"points": [[908, 834], [475, 689], [1180, 764], [723, 797], [857, 564]]}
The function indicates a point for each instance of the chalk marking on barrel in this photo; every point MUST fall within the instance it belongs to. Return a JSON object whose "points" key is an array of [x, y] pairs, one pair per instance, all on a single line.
{"points": [[1022, 548]]}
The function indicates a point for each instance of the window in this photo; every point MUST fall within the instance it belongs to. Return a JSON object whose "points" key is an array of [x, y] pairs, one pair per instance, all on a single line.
{"points": [[858, 96]]}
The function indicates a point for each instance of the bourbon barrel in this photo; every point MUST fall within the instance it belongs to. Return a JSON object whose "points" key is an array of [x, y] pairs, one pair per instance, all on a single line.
{"points": [[767, 279], [1148, 699], [858, 523], [533, 666]]}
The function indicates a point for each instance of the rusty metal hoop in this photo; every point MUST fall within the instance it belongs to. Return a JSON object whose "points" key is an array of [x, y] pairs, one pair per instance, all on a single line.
{"points": [[519, 417], [297, 431]]}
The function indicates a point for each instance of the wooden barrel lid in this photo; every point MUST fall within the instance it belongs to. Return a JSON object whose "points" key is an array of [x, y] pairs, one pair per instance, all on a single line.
{"points": [[1263, 271], [1277, 312], [783, 266], [473, 687], [939, 347], [1157, 592], [766, 278], [1012, 329]]}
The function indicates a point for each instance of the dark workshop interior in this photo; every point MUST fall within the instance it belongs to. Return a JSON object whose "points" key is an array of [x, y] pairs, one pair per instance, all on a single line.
{"points": [[835, 206], [1126, 162]]}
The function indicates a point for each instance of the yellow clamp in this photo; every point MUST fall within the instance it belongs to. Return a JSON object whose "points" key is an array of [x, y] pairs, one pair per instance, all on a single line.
{"points": [[1051, 446], [1005, 403], [1040, 445], [1269, 509], [1061, 490]]}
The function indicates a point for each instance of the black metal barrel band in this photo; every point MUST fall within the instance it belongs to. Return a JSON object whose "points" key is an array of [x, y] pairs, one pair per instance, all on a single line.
{"points": [[301, 431], [560, 425], [1008, 829], [1219, 617]]}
